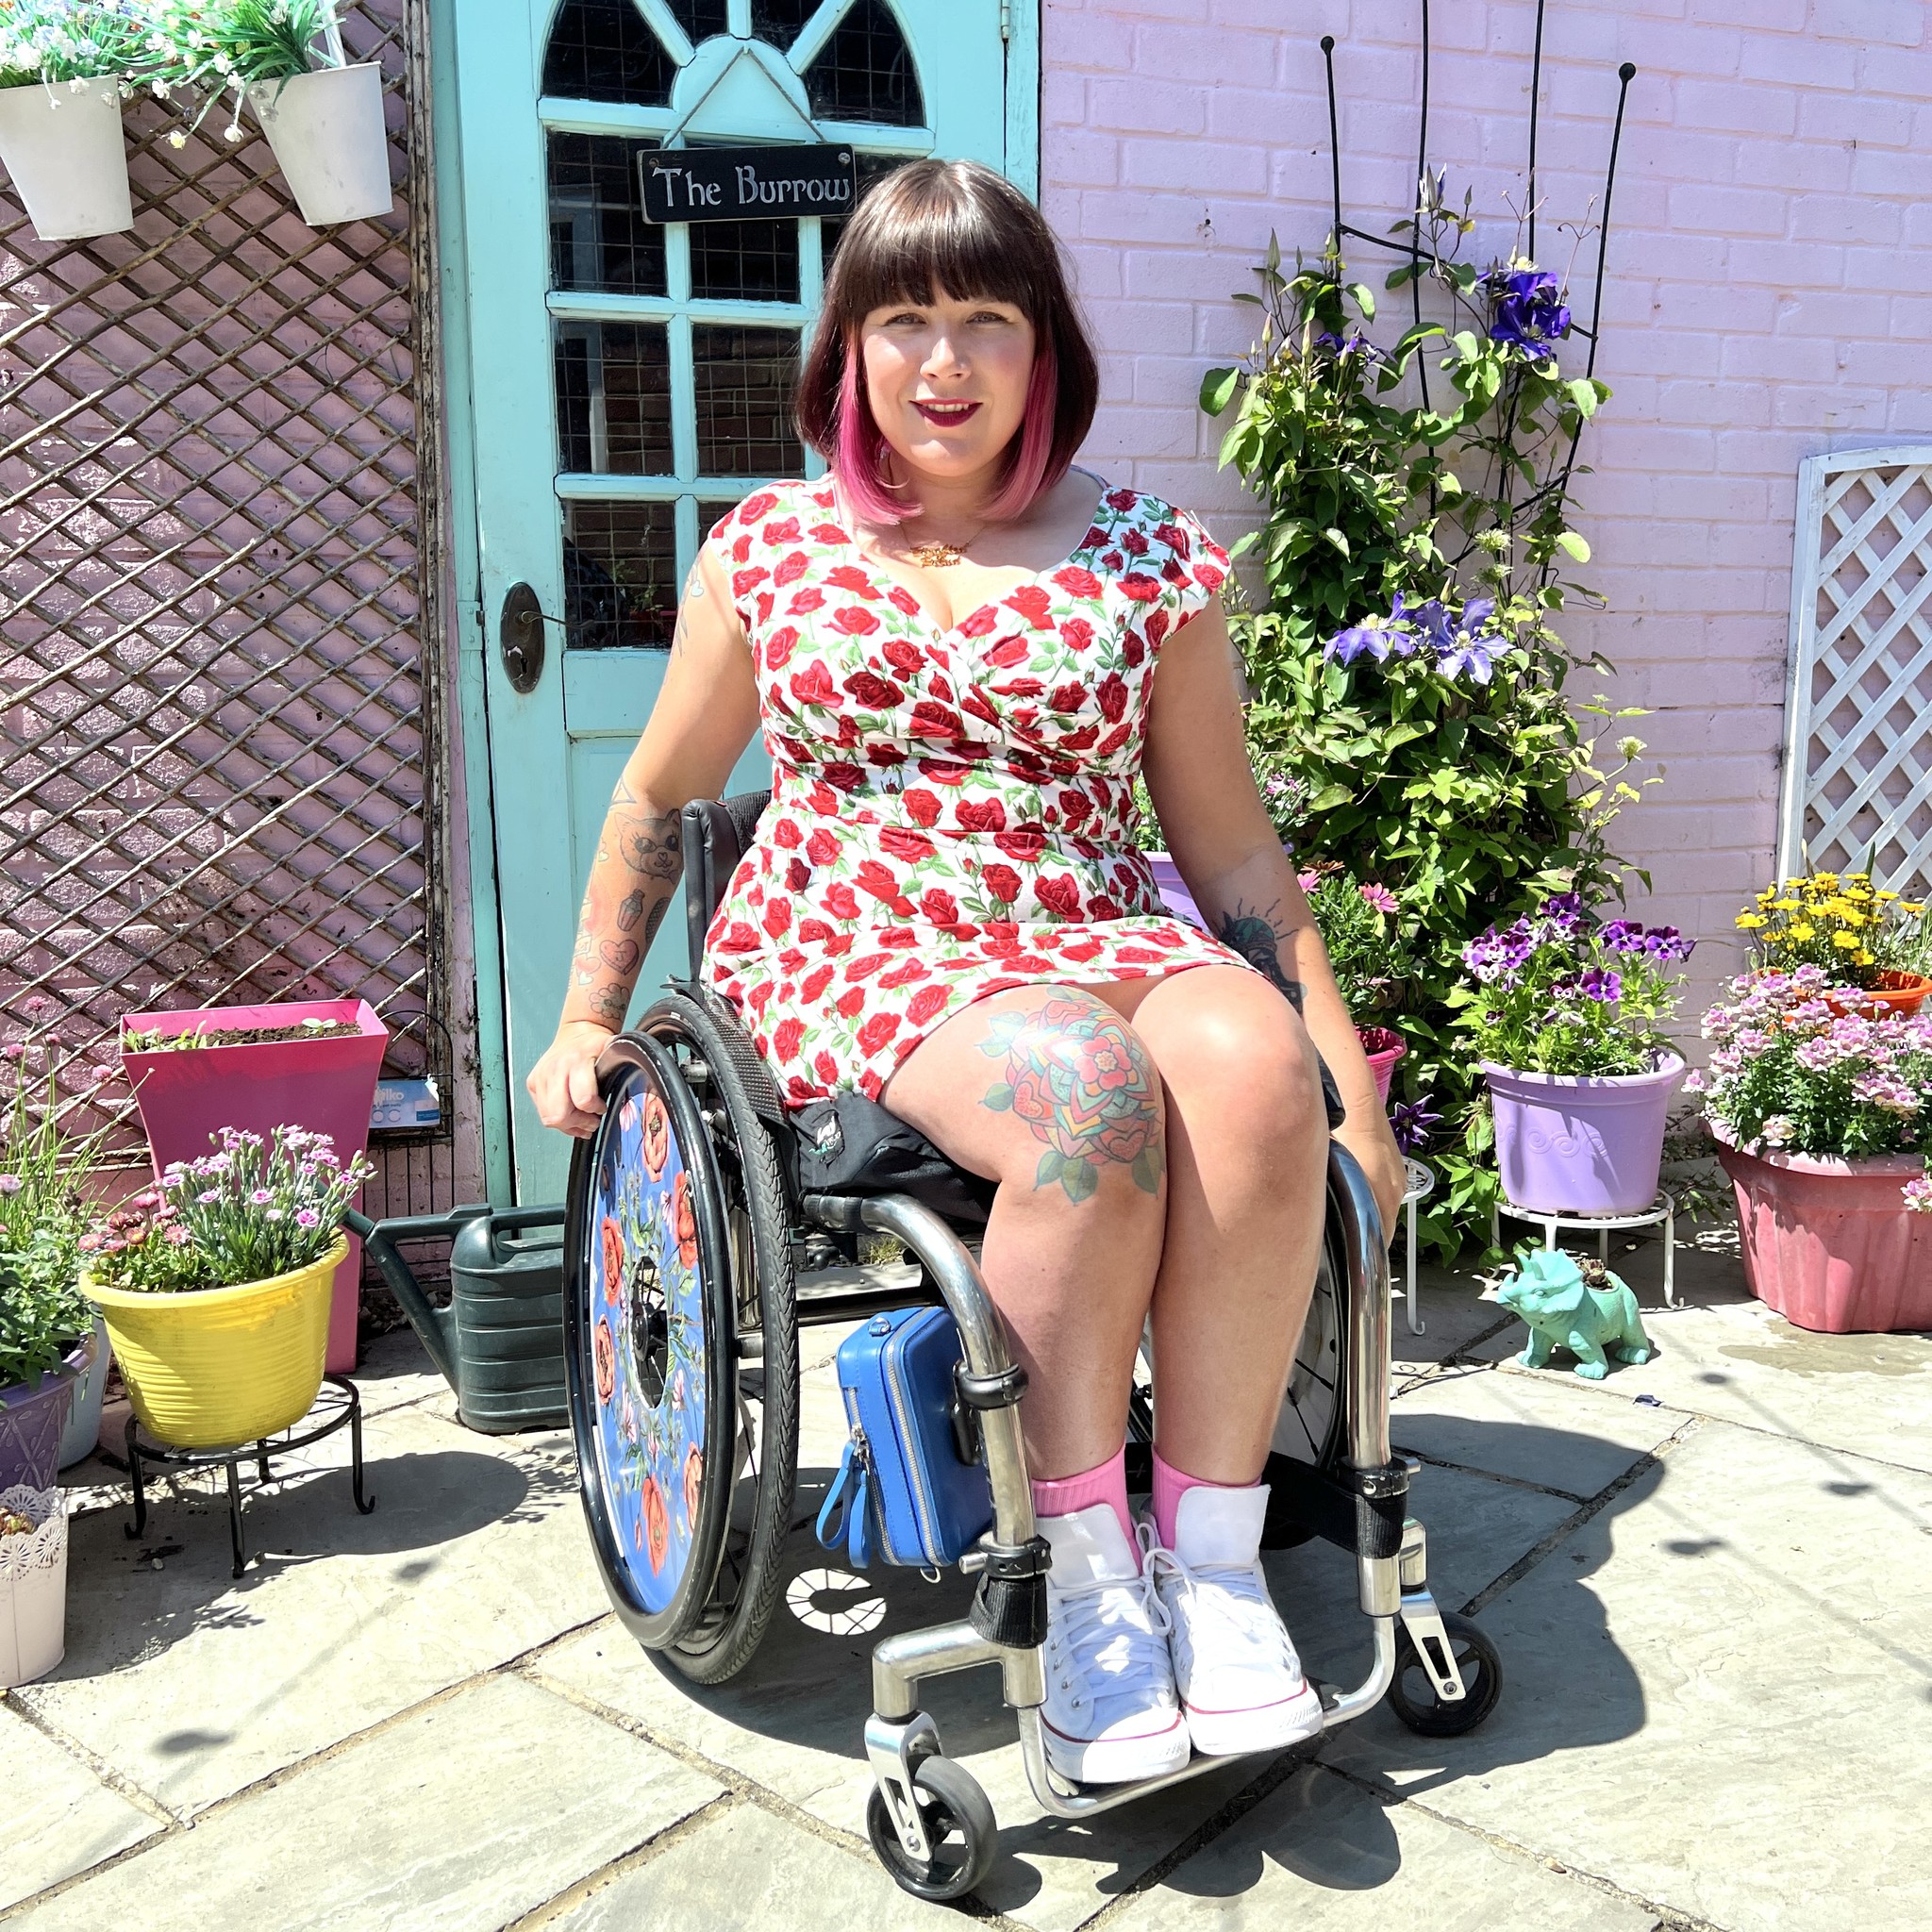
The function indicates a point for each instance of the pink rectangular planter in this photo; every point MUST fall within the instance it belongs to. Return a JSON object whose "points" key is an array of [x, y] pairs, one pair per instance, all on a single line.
{"points": [[1830, 1244], [326, 1086]]}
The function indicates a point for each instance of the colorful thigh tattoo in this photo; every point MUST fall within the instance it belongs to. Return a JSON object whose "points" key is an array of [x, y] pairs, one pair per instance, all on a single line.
{"points": [[1076, 1077]]}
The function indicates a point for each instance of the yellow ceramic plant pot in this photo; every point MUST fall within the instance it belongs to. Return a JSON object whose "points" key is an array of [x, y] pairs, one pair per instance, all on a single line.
{"points": [[223, 1366]]}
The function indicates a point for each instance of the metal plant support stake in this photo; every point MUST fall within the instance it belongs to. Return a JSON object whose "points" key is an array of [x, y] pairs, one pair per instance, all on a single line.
{"points": [[1411, 250]]}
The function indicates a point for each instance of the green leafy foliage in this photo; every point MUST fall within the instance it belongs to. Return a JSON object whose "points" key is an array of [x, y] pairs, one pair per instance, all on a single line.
{"points": [[1436, 469]]}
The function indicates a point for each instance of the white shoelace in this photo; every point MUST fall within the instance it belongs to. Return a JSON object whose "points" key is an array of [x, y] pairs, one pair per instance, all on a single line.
{"points": [[1106, 1637], [1230, 1599]]}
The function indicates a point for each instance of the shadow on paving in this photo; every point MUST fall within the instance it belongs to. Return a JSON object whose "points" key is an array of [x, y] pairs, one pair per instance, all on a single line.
{"points": [[423, 1500], [809, 1687]]}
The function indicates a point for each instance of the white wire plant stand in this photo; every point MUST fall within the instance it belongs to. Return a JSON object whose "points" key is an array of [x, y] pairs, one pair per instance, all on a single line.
{"points": [[1663, 1210]]}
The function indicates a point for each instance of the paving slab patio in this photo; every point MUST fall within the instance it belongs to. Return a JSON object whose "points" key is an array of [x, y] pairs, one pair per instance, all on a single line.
{"points": [[1711, 1608]]}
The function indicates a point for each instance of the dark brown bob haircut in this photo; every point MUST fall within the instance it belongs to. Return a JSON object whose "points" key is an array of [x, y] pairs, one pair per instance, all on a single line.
{"points": [[953, 229]]}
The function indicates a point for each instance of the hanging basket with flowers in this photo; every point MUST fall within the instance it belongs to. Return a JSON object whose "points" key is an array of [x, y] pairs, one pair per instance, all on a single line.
{"points": [[284, 59], [65, 67]]}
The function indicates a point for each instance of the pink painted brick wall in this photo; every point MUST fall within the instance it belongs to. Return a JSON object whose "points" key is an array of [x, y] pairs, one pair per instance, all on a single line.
{"points": [[1768, 296]]}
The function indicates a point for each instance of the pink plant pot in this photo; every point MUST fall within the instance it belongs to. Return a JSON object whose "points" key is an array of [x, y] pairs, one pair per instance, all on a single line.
{"points": [[1383, 1048], [1581, 1144], [1830, 1244], [326, 1086]]}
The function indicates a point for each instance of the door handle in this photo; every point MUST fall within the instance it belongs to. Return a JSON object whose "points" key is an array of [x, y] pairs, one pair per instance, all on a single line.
{"points": [[519, 636]]}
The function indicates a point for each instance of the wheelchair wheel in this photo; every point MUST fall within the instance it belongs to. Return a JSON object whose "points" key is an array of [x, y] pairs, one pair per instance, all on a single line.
{"points": [[650, 1343], [749, 1573], [1412, 1693], [959, 1822]]}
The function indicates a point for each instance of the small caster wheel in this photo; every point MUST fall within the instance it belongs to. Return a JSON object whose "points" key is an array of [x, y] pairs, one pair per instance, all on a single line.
{"points": [[959, 1824], [1413, 1696]]}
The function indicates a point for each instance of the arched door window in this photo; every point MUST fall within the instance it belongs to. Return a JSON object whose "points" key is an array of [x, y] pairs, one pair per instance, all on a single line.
{"points": [[677, 347]]}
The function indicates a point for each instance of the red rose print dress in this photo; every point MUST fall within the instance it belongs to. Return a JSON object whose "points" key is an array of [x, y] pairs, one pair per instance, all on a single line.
{"points": [[952, 811]]}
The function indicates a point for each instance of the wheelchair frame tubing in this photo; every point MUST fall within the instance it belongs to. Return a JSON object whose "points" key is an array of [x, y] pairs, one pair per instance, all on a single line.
{"points": [[898, 1733]]}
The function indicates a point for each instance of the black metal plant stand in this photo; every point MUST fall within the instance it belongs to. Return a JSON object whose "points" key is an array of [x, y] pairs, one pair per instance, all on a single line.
{"points": [[338, 1405]]}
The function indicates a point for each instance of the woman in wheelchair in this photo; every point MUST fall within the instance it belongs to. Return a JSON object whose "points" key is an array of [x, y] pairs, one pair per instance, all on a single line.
{"points": [[962, 651]]}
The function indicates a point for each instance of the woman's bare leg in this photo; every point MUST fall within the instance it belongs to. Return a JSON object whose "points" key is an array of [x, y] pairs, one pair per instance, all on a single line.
{"points": [[1247, 1141], [1049, 1092]]}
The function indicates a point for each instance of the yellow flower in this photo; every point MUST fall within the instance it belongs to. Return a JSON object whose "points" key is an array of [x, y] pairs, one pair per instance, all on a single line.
{"points": [[1785, 905], [1845, 940], [1804, 930], [1750, 920], [1885, 895], [1862, 958]]}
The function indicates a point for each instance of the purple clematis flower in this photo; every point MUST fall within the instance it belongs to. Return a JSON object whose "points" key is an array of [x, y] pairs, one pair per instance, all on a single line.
{"points": [[1413, 1119], [1462, 644], [1529, 311]]}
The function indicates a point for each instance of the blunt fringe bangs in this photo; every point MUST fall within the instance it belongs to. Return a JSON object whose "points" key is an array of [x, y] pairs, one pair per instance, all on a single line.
{"points": [[955, 228]]}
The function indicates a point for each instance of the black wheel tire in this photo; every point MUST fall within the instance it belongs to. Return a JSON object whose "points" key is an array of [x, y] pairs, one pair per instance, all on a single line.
{"points": [[751, 1571], [958, 1822], [1313, 1424], [1413, 1694]]}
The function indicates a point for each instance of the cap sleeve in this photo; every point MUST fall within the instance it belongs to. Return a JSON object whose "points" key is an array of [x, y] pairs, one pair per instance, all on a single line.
{"points": [[1194, 568], [737, 546]]}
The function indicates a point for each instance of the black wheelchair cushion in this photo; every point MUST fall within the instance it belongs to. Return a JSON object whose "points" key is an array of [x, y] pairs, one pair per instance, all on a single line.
{"points": [[853, 1146]]}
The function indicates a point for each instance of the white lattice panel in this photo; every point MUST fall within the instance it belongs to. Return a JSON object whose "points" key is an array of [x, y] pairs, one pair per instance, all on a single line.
{"points": [[1857, 778]]}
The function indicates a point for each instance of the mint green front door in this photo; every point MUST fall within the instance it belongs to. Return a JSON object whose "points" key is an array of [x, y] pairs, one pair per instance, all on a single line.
{"points": [[629, 382]]}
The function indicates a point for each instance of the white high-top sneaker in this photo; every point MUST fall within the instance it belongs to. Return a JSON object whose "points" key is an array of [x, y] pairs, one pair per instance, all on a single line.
{"points": [[1110, 1714], [1241, 1682]]}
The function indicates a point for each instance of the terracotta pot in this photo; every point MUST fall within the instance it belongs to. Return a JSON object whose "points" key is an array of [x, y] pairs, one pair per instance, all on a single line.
{"points": [[1582, 1143], [1897, 996], [1830, 1244]]}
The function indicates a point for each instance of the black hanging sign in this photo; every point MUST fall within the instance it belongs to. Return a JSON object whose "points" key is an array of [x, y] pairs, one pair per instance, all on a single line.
{"points": [[736, 184]]}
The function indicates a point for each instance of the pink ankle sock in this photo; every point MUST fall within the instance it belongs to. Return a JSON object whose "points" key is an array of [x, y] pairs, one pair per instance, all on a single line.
{"points": [[1170, 1486], [1106, 1482]]}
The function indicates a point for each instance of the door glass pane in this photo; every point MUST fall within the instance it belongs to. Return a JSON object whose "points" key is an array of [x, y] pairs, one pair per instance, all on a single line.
{"points": [[620, 574], [745, 262], [599, 238], [701, 19], [873, 169], [780, 22], [865, 72], [744, 382], [614, 399], [601, 50]]}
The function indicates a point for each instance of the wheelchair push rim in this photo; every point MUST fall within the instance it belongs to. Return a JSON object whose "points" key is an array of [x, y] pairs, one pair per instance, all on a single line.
{"points": [[650, 1343]]}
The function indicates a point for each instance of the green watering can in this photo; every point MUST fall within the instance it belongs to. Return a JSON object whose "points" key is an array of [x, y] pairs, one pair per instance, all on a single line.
{"points": [[499, 1344]]}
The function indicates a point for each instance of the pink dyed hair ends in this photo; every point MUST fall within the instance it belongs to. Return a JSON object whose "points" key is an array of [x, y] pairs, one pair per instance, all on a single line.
{"points": [[861, 451]]}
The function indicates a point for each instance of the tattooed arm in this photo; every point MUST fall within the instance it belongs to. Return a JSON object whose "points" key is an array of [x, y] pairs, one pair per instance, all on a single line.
{"points": [[703, 716], [1202, 787]]}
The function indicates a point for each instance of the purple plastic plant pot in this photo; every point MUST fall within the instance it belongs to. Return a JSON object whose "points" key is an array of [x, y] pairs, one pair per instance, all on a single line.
{"points": [[1830, 1244], [1581, 1144], [31, 1419], [327, 1085], [1180, 902]]}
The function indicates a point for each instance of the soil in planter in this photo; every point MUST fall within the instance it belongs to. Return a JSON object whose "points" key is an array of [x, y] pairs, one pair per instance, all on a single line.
{"points": [[237, 1036]]}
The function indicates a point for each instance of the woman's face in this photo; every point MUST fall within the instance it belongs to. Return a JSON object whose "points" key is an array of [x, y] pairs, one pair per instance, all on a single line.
{"points": [[947, 381]]}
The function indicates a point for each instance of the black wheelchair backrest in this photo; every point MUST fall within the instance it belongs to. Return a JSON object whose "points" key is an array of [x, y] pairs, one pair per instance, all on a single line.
{"points": [[716, 834]]}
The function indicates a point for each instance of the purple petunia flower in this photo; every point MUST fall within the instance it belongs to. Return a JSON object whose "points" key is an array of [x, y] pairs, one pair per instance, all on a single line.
{"points": [[1529, 311]]}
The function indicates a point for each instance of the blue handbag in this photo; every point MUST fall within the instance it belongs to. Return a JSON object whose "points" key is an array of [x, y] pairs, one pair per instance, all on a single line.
{"points": [[906, 1488]]}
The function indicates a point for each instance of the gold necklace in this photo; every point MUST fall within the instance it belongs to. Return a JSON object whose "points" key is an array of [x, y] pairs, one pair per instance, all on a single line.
{"points": [[944, 555]]}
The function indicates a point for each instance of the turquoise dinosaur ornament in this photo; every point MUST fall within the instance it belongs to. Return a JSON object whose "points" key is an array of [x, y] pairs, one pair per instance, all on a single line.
{"points": [[1585, 1309]]}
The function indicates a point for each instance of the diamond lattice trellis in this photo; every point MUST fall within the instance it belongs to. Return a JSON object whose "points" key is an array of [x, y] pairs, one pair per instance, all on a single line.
{"points": [[217, 750], [1858, 782]]}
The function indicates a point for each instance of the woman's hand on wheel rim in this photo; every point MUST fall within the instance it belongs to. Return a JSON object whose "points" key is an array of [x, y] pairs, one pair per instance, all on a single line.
{"points": [[563, 1084], [1388, 1176]]}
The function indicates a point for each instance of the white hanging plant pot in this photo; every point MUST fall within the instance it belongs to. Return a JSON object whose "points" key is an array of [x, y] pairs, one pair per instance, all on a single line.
{"points": [[33, 1587], [325, 127], [66, 159]]}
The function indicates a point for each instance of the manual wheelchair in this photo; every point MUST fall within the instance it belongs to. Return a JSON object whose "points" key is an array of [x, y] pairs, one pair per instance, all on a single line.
{"points": [[691, 1211]]}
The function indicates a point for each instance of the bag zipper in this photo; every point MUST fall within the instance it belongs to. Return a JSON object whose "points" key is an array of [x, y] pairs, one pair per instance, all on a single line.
{"points": [[921, 1505]]}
